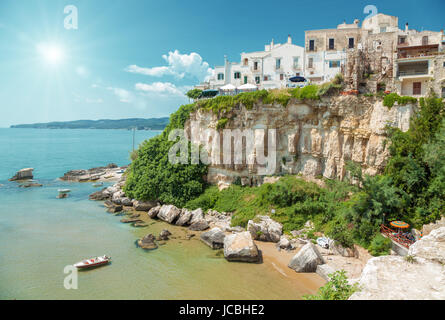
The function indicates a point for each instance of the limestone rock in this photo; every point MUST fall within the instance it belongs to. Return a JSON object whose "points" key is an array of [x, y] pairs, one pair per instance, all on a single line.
{"points": [[324, 270], [153, 212], [163, 236], [168, 213], [431, 247], [127, 202], [147, 242], [23, 174], [426, 229], [117, 197], [240, 247], [115, 209], [200, 225], [307, 259], [337, 248], [284, 243], [214, 238], [265, 229], [197, 215], [100, 195], [143, 205], [184, 217]]}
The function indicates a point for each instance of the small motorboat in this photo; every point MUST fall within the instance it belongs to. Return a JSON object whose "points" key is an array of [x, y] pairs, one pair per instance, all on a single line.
{"points": [[93, 262], [98, 184], [64, 190], [324, 242], [120, 171]]}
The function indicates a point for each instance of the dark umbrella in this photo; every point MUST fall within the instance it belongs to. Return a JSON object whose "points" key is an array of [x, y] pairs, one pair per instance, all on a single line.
{"points": [[297, 79]]}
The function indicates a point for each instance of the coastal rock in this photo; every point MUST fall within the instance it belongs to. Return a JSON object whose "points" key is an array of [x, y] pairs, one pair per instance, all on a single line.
{"points": [[240, 247], [338, 249], [108, 204], [131, 220], [265, 229], [100, 195], [184, 217], [127, 202], [117, 197], [284, 243], [143, 205], [214, 238], [217, 219], [235, 229], [430, 247], [107, 173], [30, 185], [307, 259], [153, 212], [394, 278], [200, 225], [168, 213], [23, 174], [427, 228], [197, 215], [163, 236], [114, 209], [147, 242], [324, 270]]}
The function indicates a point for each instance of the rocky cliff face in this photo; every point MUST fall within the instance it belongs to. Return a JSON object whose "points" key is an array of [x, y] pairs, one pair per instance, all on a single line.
{"points": [[312, 138]]}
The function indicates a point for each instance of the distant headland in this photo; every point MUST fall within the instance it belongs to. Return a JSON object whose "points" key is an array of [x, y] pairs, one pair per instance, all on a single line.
{"points": [[138, 123]]}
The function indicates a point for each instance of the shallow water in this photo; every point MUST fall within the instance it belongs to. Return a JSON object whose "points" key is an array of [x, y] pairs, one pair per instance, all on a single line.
{"points": [[40, 235]]}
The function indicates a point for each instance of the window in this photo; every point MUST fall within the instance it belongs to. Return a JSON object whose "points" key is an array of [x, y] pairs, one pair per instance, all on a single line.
{"points": [[424, 40], [281, 77], [266, 78], [334, 64], [245, 79], [331, 44], [257, 79], [278, 63], [443, 92], [351, 43], [417, 88], [310, 63], [402, 40], [246, 61], [255, 65], [382, 29], [311, 45], [237, 75], [220, 76], [296, 59]]}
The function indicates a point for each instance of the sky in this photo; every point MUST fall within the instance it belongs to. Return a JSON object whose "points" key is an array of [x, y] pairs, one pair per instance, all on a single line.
{"points": [[137, 58]]}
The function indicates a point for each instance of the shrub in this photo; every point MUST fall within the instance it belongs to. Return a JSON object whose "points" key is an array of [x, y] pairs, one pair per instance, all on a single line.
{"points": [[309, 92], [380, 246], [337, 288], [391, 98], [221, 123], [194, 93]]}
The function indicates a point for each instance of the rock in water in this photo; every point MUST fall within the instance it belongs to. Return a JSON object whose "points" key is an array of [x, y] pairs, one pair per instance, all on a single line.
{"points": [[240, 247], [168, 213], [100, 195], [265, 229], [200, 225], [115, 209], [184, 217], [214, 238], [307, 259], [127, 202], [153, 212], [163, 236], [23, 174], [143, 205], [147, 242]]}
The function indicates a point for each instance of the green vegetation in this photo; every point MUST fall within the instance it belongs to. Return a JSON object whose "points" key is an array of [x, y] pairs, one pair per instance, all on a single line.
{"points": [[380, 246], [337, 288], [221, 123], [392, 98], [194, 93], [151, 175]]}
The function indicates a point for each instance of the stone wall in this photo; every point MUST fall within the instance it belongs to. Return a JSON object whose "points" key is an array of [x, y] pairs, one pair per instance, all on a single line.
{"points": [[312, 138]]}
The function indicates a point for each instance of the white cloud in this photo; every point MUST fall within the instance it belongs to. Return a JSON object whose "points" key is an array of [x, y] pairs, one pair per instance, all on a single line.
{"points": [[179, 65], [161, 88], [124, 96]]}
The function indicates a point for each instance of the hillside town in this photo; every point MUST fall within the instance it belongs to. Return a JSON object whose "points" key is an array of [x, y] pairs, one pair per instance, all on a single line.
{"points": [[376, 56]]}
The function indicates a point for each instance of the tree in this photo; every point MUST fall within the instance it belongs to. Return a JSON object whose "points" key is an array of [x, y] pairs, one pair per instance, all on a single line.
{"points": [[194, 93], [338, 288]]}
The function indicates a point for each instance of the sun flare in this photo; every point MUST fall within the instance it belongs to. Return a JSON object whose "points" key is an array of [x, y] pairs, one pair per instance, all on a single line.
{"points": [[51, 53]]}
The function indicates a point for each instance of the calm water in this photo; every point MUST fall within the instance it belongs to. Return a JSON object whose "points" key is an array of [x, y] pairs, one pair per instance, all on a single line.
{"points": [[40, 235]]}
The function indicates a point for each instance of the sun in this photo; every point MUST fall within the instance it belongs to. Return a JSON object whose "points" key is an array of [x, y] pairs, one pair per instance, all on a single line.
{"points": [[52, 54]]}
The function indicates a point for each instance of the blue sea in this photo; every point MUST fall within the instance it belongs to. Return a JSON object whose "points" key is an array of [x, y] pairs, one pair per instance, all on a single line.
{"points": [[40, 235]]}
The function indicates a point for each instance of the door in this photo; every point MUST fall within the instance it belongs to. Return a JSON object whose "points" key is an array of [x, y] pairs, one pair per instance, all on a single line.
{"points": [[417, 88], [245, 79]]}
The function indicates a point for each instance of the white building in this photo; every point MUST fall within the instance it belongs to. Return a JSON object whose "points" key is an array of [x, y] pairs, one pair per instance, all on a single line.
{"points": [[266, 69]]}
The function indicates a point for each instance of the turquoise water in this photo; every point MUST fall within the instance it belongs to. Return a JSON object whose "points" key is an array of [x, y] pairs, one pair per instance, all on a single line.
{"points": [[40, 235]]}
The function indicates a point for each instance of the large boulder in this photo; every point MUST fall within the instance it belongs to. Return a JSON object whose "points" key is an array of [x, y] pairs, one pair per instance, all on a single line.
{"points": [[307, 259], [200, 225], [117, 197], [168, 213], [324, 270], [240, 247], [147, 242], [284, 243], [197, 215], [338, 249], [427, 228], [214, 238], [220, 220], [263, 228], [100, 195], [184, 217], [395, 278], [153, 212], [115, 209], [163, 236], [23, 174], [143, 205], [127, 202], [431, 247]]}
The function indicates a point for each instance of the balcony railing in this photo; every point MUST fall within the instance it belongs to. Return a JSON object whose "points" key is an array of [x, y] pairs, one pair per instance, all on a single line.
{"points": [[412, 73], [398, 237]]}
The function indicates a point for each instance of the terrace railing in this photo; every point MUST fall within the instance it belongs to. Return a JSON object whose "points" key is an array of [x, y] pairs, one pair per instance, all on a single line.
{"points": [[400, 238]]}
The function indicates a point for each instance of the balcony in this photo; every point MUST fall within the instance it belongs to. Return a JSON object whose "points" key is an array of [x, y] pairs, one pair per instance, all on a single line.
{"points": [[412, 73], [409, 69]]}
